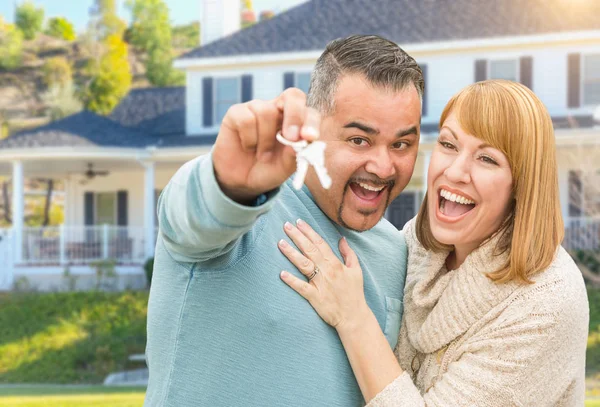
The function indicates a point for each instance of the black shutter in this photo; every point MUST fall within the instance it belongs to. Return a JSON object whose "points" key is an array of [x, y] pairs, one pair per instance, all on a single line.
{"points": [[526, 71], [288, 80], [122, 208], [88, 208], [574, 80], [207, 102], [480, 70], [424, 70], [246, 88]]}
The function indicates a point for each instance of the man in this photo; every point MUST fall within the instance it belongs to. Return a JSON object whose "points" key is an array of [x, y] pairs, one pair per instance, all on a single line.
{"points": [[221, 331]]}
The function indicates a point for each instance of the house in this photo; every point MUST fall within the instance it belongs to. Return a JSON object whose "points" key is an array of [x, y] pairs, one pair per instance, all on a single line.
{"points": [[114, 167]]}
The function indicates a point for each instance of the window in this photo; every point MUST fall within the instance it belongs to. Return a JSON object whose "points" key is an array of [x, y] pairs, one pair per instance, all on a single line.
{"points": [[591, 79], [303, 81], [227, 93], [106, 208], [504, 69]]}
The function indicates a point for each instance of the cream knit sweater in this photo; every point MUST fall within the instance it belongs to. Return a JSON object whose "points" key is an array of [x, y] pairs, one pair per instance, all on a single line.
{"points": [[467, 341]]}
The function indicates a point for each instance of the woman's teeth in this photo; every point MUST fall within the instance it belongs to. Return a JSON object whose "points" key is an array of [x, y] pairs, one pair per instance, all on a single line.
{"points": [[455, 198]]}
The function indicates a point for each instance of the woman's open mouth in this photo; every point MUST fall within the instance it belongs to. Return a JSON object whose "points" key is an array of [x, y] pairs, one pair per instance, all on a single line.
{"points": [[454, 206]]}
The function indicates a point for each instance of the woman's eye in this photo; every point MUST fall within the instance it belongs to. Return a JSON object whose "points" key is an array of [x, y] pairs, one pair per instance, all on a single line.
{"points": [[447, 145], [488, 160]]}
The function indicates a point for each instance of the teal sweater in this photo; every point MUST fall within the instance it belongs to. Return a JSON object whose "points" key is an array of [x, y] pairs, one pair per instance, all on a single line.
{"points": [[223, 329]]}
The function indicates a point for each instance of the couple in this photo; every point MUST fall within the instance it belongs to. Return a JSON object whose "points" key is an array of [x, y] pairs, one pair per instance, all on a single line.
{"points": [[474, 303]]}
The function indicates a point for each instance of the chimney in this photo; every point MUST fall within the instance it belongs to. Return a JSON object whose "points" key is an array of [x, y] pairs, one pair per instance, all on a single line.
{"points": [[219, 19]]}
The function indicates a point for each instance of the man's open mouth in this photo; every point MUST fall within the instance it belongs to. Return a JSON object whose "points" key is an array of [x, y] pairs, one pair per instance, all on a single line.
{"points": [[367, 191]]}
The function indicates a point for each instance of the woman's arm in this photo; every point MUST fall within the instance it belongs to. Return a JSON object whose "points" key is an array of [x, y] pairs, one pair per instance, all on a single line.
{"points": [[336, 293]]}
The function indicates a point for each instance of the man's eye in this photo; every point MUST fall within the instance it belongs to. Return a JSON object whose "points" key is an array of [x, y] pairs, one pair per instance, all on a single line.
{"points": [[359, 141], [403, 145]]}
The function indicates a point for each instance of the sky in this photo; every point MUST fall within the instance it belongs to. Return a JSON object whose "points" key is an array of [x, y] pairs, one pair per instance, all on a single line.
{"points": [[181, 11]]}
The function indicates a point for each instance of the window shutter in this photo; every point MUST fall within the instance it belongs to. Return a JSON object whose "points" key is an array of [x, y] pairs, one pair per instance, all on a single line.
{"points": [[207, 102], [480, 70], [288, 80], [122, 208], [574, 80], [88, 208], [246, 88], [424, 70], [526, 71]]}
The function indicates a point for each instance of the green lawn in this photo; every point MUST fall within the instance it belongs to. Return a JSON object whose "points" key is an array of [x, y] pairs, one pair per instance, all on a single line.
{"points": [[592, 403], [71, 396]]}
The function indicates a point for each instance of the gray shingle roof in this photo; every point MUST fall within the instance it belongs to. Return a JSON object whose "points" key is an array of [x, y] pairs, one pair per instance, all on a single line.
{"points": [[81, 129], [310, 26], [157, 111]]}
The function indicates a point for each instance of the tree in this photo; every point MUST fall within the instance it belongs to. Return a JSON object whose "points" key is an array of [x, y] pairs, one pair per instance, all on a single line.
{"points": [[104, 20], [266, 15], [57, 71], [186, 36], [112, 79], [60, 27], [29, 19], [62, 100], [247, 17], [151, 32], [11, 45]]}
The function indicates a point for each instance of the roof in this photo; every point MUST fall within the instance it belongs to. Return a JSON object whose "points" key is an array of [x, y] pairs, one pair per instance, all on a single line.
{"points": [[156, 111], [310, 26], [81, 129]]}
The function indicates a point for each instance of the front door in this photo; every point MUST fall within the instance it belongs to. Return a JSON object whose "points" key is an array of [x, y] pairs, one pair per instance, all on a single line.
{"points": [[6, 259]]}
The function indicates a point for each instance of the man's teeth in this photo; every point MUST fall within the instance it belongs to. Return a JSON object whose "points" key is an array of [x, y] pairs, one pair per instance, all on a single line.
{"points": [[455, 198], [370, 188]]}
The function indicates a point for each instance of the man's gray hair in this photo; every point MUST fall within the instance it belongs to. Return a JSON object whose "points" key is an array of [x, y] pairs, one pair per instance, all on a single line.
{"points": [[381, 61]]}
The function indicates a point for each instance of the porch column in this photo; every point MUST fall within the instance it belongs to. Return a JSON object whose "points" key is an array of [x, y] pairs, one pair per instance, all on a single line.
{"points": [[149, 205], [18, 206], [426, 160]]}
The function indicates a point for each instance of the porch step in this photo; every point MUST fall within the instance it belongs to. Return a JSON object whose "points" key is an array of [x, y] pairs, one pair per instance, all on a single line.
{"points": [[136, 377]]}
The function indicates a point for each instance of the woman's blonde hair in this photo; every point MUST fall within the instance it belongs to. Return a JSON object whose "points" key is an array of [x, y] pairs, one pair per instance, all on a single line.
{"points": [[511, 118]]}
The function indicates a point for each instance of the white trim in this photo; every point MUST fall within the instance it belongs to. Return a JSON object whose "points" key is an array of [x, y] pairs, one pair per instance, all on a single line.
{"points": [[582, 80], [428, 47], [72, 153], [18, 209]]}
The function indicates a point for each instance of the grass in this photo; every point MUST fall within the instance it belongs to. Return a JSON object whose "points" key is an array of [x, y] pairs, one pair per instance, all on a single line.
{"points": [[69, 337], [592, 403], [71, 396]]}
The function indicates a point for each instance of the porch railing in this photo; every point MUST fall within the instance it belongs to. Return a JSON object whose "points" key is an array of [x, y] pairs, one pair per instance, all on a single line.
{"points": [[83, 244], [582, 233]]}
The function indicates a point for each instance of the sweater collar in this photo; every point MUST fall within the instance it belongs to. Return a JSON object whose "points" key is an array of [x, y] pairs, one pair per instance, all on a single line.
{"points": [[442, 305]]}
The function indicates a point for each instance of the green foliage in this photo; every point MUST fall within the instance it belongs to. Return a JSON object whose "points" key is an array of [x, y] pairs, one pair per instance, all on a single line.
{"points": [[106, 274], [266, 15], [57, 71], [112, 79], [61, 101], [151, 32], [60, 27], [589, 258], [186, 36], [76, 337], [148, 269], [11, 45], [29, 19], [593, 346], [104, 20]]}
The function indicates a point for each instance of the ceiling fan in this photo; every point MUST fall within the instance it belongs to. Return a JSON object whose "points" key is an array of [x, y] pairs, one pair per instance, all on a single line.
{"points": [[91, 174]]}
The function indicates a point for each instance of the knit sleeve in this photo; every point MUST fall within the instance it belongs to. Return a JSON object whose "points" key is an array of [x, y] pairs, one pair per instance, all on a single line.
{"points": [[535, 357]]}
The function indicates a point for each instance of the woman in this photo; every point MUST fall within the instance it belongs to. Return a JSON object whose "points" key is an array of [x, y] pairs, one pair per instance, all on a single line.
{"points": [[495, 310]]}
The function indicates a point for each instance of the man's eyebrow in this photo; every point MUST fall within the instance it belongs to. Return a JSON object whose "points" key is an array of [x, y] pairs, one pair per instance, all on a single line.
{"points": [[408, 132], [362, 127]]}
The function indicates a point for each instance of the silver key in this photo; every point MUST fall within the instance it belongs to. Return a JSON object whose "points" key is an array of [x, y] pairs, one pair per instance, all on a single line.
{"points": [[308, 154]]}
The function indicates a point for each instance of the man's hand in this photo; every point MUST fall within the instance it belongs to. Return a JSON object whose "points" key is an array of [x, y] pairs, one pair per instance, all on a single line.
{"points": [[248, 160]]}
